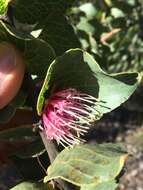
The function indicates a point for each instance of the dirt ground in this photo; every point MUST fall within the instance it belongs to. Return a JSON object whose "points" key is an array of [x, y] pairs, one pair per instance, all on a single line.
{"points": [[125, 126]]}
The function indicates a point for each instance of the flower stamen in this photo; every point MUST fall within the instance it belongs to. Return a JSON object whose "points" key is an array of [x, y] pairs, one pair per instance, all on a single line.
{"points": [[68, 114]]}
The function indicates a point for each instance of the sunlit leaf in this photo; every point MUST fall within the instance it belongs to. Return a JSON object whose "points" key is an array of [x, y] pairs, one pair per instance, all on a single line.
{"points": [[110, 185], [30, 186], [88, 164], [3, 6]]}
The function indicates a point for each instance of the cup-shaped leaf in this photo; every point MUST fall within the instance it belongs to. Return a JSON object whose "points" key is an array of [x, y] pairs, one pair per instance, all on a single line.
{"points": [[77, 69]]}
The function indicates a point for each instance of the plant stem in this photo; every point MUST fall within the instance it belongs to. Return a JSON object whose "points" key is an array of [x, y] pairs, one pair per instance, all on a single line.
{"points": [[50, 146], [53, 152]]}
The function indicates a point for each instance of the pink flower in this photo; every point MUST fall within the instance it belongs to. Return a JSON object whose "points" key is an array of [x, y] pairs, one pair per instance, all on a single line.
{"points": [[67, 115]]}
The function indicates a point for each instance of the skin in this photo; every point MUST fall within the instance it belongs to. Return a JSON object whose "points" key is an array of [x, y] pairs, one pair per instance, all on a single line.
{"points": [[12, 69]]}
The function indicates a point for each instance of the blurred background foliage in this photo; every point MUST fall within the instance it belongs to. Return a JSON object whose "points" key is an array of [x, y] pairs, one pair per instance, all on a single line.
{"points": [[112, 31]]}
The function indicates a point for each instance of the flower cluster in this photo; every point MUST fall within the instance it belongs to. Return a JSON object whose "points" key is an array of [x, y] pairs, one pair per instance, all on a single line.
{"points": [[69, 114]]}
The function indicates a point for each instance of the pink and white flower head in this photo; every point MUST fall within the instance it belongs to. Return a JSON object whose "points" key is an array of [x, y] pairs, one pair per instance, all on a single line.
{"points": [[67, 115]]}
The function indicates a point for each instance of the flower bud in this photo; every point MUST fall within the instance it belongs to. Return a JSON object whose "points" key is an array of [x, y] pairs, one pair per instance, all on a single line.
{"points": [[12, 70]]}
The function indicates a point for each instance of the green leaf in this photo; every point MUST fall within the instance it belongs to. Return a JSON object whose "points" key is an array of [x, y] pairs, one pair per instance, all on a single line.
{"points": [[30, 186], [22, 133], [36, 10], [18, 133], [37, 53], [77, 69], [33, 150], [8, 112], [115, 12], [3, 6], [55, 27], [89, 9], [59, 33], [110, 185], [86, 26], [88, 164]]}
